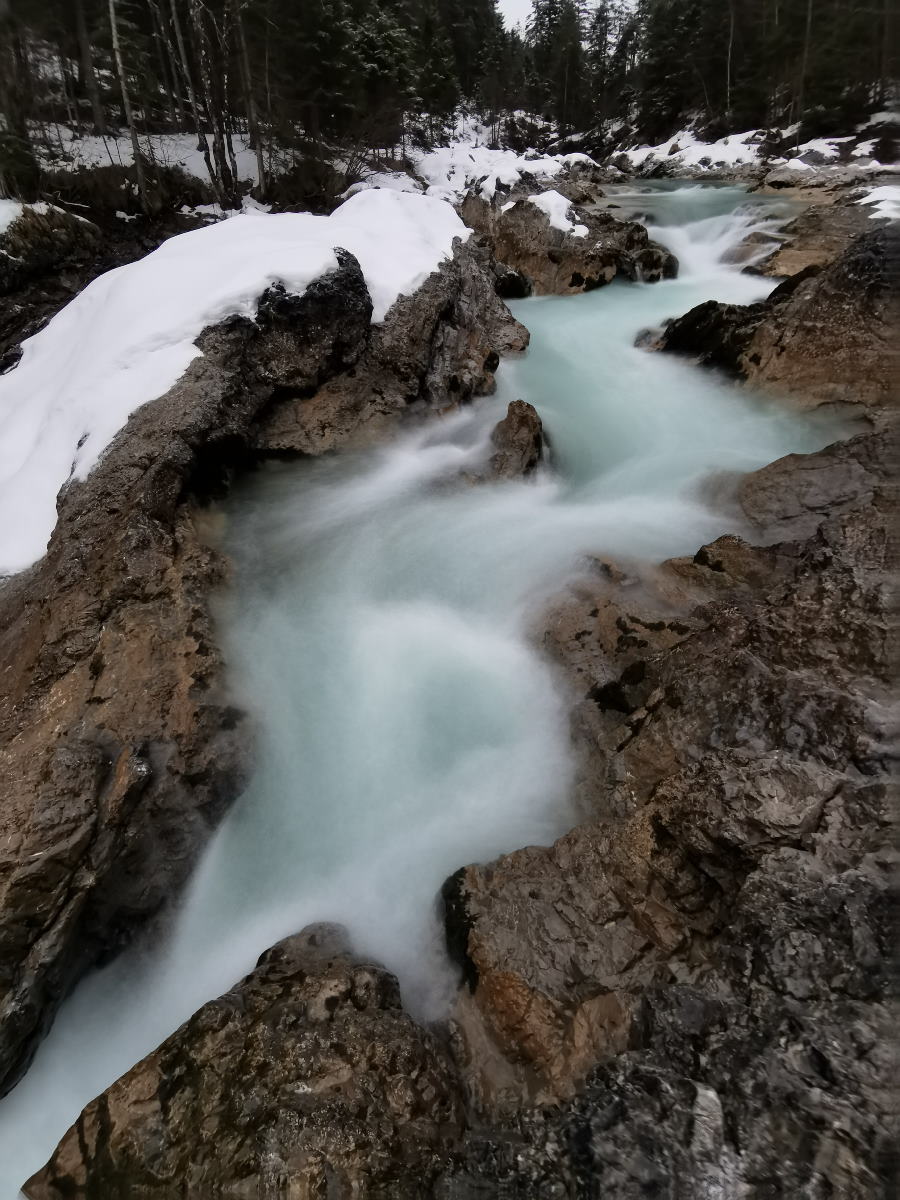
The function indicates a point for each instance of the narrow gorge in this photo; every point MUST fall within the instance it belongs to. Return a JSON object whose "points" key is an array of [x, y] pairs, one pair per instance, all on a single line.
{"points": [[502, 689]]}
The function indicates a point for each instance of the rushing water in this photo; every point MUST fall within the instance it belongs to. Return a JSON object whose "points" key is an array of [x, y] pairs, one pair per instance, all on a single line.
{"points": [[378, 634]]}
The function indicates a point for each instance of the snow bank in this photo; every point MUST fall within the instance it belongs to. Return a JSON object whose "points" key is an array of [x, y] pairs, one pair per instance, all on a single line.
{"points": [[394, 181], [130, 334], [685, 152], [557, 208], [72, 151], [886, 202], [450, 171]]}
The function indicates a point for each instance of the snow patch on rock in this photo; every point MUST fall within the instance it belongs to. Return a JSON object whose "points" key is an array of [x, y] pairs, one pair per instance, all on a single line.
{"points": [[885, 201], [557, 209], [129, 336], [451, 171]]}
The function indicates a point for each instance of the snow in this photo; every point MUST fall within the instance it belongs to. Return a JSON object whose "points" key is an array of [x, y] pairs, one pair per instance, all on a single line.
{"points": [[69, 151], [450, 171], [879, 118], [215, 212], [129, 336], [395, 181], [10, 210], [886, 202], [557, 208], [686, 150]]}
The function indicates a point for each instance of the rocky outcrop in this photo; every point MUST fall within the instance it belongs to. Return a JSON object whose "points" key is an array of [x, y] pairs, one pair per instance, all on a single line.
{"points": [[824, 336], [39, 239], [306, 1079], [439, 346], [686, 995], [817, 237], [562, 262], [713, 941], [518, 442], [119, 750]]}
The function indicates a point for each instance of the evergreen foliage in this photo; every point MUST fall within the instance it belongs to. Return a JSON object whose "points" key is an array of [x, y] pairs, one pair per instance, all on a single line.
{"points": [[307, 77]]}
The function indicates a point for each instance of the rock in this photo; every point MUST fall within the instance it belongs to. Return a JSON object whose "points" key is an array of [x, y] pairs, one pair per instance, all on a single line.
{"points": [[779, 341], [441, 345], [119, 749], [556, 262], [38, 240], [306, 1078], [755, 250], [519, 442], [817, 237]]}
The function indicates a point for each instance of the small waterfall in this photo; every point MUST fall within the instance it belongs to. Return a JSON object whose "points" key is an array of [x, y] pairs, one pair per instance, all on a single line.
{"points": [[378, 632]]}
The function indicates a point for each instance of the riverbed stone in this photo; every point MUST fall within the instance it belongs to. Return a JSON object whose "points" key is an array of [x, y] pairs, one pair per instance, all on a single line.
{"points": [[518, 442], [824, 336], [306, 1079], [558, 262]]}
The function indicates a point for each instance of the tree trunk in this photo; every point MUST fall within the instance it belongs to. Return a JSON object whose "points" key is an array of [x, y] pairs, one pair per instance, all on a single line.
{"points": [[159, 40], [202, 143], [804, 64], [252, 115], [19, 172], [174, 67], [730, 56], [126, 105], [88, 75], [224, 174]]}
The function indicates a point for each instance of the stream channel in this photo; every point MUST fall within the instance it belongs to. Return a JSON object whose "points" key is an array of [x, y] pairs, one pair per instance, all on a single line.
{"points": [[380, 631]]}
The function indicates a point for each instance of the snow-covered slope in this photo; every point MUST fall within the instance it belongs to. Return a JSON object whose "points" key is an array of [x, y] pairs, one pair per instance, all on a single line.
{"points": [[450, 171], [686, 154], [130, 334]]}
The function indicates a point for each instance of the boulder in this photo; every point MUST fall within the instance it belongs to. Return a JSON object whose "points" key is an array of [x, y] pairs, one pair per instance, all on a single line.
{"points": [[519, 442], [562, 262], [817, 237], [38, 240], [779, 342], [439, 346], [307, 1079]]}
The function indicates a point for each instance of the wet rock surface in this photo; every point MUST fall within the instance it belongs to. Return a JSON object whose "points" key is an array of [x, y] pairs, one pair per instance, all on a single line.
{"points": [[824, 335], [558, 262], [119, 748], [687, 995], [306, 1079], [518, 442]]}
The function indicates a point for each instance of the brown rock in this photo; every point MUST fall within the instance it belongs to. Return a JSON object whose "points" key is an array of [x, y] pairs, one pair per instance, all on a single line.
{"points": [[306, 1078], [519, 442], [559, 263], [824, 336], [38, 240], [821, 234]]}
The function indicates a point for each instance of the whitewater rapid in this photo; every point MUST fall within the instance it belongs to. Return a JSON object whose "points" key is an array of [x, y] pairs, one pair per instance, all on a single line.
{"points": [[378, 634]]}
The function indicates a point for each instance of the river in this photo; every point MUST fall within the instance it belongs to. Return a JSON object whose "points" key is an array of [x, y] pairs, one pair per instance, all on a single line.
{"points": [[378, 633]]}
